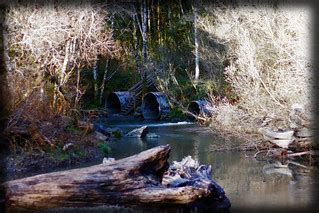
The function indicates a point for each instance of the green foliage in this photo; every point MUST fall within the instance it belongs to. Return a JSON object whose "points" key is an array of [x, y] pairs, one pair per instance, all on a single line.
{"points": [[104, 147], [73, 129], [123, 79], [57, 153], [204, 88], [76, 152], [117, 134], [176, 113], [90, 104], [80, 153], [62, 156]]}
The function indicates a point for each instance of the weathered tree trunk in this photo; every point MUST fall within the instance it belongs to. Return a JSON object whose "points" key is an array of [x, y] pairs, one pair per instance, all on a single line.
{"points": [[133, 181]]}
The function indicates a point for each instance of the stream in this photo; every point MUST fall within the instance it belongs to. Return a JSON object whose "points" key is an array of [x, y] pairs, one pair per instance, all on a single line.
{"points": [[246, 181]]}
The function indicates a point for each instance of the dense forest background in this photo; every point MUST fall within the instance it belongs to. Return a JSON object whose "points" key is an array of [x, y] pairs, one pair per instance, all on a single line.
{"points": [[251, 61]]}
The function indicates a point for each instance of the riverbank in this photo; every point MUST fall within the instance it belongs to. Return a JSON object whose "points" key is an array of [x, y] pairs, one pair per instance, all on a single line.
{"points": [[54, 143], [78, 144], [264, 183], [61, 142]]}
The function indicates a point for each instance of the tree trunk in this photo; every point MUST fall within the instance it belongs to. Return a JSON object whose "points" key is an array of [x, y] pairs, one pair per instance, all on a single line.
{"points": [[196, 43], [133, 181], [136, 43], [181, 7], [144, 30], [95, 79], [159, 38], [78, 91], [104, 80], [4, 88]]}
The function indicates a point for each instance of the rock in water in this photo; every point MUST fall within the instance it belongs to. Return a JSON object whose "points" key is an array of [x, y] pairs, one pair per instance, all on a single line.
{"points": [[101, 136], [280, 138], [138, 133]]}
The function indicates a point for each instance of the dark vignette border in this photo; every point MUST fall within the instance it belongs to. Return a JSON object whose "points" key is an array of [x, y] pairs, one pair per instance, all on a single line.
{"points": [[4, 93]]}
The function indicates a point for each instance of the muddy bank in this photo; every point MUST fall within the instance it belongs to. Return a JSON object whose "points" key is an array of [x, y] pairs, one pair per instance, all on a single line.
{"points": [[28, 164], [49, 145], [74, 144]]}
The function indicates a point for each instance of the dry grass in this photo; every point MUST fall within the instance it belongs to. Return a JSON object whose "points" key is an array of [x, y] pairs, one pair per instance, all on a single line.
{"points": [[268, 60], [50, 40]]}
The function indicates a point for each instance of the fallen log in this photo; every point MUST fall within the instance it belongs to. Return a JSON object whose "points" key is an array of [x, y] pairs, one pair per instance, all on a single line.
{"points": [[133, 181]]}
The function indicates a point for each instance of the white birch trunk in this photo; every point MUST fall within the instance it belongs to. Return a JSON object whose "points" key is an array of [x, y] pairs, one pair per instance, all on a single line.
{"points": [[95, 79], [78, 91], [196, 44], [144, 30], [181, 7], [169, 18], [104, 80], [158, 24], [136, 44]]}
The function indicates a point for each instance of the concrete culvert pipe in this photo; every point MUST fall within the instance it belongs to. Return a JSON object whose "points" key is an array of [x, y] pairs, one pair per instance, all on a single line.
{"points": [[201, 107], [155, 106], [117, 101]]}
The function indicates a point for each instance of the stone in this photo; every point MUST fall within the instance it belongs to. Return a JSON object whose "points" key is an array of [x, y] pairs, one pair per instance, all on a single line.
{"points": [[138, 133], [116, 132], [101, 136]]}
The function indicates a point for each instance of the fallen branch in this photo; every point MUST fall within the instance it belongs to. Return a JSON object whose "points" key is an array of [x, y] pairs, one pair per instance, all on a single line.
{"points": [[303, 153]]}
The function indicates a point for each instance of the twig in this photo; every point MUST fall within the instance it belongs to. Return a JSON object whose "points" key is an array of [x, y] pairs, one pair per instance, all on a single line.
{"points": [[298, 164], [303, 153]]}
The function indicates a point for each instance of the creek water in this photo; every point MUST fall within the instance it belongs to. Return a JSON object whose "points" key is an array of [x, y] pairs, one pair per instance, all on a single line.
{"points": [[246, 181]]}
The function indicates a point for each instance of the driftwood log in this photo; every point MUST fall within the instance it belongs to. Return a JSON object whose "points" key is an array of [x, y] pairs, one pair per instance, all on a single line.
{"points": [[132, 181]]}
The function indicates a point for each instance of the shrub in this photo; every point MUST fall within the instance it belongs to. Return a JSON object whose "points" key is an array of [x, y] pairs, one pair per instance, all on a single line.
{"points": [[46, 42], [267, 61], [104, 147]]}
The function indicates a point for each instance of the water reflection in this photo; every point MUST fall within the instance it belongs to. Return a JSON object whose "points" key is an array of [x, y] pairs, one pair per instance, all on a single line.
{"points": [[247, 182], [277, 168]]}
